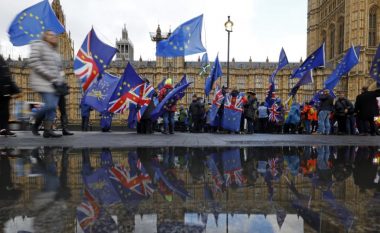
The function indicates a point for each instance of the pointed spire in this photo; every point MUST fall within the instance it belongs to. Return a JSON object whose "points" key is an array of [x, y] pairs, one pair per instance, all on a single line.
{"points": [[140, 59], [250, 59], [158, 31], [199, 58], [9, 58], [233, 59], [267, 60], [19, 57], [301, 61]]}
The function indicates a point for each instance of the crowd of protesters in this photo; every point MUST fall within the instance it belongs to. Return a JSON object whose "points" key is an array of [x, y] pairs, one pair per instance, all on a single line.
{"points": [[326, 115]]}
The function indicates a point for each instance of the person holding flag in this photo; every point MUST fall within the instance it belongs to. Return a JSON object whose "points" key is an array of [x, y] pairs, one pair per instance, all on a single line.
{"points": [[326, 105], [169, 107]]}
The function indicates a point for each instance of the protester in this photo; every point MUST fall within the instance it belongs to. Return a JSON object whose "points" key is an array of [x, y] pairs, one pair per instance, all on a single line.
{"points": [[308, 114], [263, 118], [106, 121], [170, 107], [146, 118], [7, 89], [326, 105], [62, 109], [47, 79], [182, 119], [250, 111], [340, 112], [197, 112], [293, 119], [366, 109], [85, 112]]}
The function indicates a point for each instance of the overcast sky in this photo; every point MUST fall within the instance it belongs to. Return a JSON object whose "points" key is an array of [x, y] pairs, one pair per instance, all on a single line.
{"points": [[261, 27]]}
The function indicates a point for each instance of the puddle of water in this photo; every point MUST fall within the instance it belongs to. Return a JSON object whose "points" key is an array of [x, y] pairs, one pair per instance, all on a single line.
{"points": [[251, 189]]}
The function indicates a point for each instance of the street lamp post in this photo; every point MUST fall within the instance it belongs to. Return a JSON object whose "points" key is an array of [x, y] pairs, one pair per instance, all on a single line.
{"points": [[228, 26]]}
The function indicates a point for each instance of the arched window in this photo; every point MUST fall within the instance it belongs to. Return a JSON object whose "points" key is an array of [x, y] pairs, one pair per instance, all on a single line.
{"points": [[332, 41], [372, 31], [341, 35]]}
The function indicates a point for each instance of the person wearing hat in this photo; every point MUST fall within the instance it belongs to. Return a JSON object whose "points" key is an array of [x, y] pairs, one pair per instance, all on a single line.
{"points": [[250, 112]]}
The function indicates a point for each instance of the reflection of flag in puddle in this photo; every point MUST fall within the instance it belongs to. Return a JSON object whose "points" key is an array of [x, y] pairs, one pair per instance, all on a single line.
{"points": [[92, 217], [233, 172]]}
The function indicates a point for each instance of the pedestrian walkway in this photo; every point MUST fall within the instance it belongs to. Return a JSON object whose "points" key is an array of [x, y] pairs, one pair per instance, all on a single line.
{"points": [[131, 139]]}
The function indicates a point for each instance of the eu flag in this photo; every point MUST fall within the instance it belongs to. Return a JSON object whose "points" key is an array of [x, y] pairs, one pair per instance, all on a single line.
{"points": [[183, 81], [316, 59], [350, 60], [119, 100], [161, 84], [233, 108], [159, 110], [99, 185], [99, 94], [215, 73], [306, 79], [92, 59], [375, 68], [185, 40], [282, 62], [32, 22]]}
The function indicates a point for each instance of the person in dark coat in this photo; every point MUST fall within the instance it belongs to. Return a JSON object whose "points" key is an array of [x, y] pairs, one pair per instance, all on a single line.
{"points": [[366, 109], [250, 111], [340, 111], [197, 111], [146, 118], [7, 89]]}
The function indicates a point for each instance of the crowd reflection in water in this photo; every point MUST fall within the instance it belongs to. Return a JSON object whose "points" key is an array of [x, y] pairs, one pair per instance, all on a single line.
{"points": [[117, 188]]}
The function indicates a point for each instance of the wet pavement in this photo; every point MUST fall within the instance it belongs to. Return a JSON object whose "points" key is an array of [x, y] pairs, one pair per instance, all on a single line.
{"points": [[317, 188], [131, 139]]}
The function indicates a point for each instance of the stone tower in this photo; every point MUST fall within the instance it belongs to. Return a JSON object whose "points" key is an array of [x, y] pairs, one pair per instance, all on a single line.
{"points": [[66, 46], [125, 47], [341, 24]]}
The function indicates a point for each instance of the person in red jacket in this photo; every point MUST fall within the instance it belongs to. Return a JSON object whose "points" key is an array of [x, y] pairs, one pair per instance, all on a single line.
{"points": [[170, 107]]}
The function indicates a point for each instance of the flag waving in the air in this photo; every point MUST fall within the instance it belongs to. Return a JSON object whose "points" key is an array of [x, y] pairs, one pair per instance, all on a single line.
{"points": [[92, 59], [185, 40], [316, 59], [215, 73], [32, 22]]}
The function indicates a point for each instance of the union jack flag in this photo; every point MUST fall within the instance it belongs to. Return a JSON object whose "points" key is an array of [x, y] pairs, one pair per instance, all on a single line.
{"points": [[92, 58], [219, 97], [140, 97], [235, 103], [233, 172], [92, 217], [216, 103], [120, 99], [131, 187], [275, 114]]}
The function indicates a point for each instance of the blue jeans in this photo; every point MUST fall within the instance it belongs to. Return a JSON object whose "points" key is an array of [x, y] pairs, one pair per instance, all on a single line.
{"points": [[350, 124], [307, 126], [324, 122], [48, 111], [168, 118], [323, 157]]}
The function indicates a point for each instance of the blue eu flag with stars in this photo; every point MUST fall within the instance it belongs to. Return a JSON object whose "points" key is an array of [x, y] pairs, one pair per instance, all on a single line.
{"points": [[350, 60], [215, 73], [99, 94], [316, 59], [185, 40], [375, 68], [30, 24]]}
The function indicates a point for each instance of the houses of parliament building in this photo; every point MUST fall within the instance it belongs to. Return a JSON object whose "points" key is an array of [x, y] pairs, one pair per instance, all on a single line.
{"points": [[339, 23]]}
